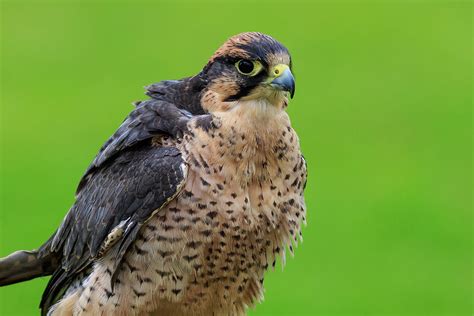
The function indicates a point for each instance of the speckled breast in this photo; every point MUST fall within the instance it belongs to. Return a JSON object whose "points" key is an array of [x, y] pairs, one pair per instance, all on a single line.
{"points": [[206, 252]]}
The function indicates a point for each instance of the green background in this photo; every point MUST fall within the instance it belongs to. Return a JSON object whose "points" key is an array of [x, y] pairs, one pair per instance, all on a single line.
{"points": [[383, 108]]}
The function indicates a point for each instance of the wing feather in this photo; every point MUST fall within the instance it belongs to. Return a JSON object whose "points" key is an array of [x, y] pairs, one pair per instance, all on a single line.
{"points": [[126, 184], [150, 118]]}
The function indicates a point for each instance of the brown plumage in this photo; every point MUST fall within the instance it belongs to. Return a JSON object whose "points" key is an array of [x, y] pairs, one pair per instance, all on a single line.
{"points": [[187, 205]]}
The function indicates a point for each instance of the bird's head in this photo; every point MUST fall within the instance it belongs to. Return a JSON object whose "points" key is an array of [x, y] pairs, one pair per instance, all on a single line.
{"points": [[249, 68]]}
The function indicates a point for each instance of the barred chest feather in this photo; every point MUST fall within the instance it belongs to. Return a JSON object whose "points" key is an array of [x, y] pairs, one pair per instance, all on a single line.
{"points": [[207, 251]]}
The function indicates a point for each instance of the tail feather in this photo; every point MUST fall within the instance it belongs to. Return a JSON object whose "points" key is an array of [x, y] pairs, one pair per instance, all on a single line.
{"points": [[26, 265]]}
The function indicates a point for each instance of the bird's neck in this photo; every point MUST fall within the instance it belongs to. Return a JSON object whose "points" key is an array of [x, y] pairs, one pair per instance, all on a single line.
{"points": [[251, 141]]}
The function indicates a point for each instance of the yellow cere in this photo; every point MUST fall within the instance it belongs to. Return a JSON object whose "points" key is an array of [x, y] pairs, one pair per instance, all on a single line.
{"points": [[278, 70]]}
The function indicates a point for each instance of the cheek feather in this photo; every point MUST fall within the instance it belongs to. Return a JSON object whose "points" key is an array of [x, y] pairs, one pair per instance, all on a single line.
{"points": [[224, 86], [212, 102], [263, 95]]}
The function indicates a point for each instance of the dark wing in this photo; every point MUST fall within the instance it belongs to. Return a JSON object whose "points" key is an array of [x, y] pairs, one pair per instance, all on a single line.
{"points": [[127, 183], [185, 93], [150, 118]]}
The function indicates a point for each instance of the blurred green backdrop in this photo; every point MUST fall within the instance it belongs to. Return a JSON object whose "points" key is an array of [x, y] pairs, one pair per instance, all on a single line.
{"points": [[383, 108]]}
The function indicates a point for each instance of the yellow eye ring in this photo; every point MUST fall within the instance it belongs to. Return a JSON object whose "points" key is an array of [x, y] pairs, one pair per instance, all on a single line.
{"points": [[248, 67]]}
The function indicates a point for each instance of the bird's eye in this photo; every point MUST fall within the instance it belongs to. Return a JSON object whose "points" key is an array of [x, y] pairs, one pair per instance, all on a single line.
{"points": [[245, 66], [248, 67]]}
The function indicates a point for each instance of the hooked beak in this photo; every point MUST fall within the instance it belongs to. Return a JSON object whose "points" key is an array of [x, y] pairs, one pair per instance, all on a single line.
{"points": [[283, 79]]}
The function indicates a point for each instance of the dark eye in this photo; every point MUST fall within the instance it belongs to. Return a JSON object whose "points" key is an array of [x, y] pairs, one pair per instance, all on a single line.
{"points": [[248, 67], [245, 66]]}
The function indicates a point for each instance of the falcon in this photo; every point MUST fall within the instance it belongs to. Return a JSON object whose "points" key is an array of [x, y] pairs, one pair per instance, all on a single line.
{"points": [[188, 203]]}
